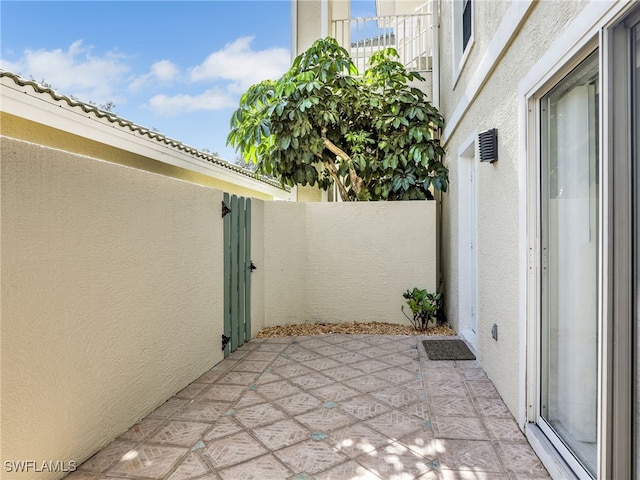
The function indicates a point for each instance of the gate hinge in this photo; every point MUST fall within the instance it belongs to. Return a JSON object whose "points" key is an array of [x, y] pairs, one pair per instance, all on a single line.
{"points": [[225, 209], [225, 340], [252, 267]]}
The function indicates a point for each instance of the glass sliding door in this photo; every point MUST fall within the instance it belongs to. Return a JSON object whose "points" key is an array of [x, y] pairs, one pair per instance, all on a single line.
{"points": [[569, 281]]}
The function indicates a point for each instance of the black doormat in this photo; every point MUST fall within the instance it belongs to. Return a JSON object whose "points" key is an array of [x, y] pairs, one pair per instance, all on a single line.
{"points": [[447, 350]]}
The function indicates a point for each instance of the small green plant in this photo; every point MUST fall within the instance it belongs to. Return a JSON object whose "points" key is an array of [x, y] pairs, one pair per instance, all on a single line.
{"points": [[424, 307]]}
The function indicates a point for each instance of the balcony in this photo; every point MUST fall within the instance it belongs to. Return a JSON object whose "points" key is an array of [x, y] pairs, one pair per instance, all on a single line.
{"points": [[410, 34]]}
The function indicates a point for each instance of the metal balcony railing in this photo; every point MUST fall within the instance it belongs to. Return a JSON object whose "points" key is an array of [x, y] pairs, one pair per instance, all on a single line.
{"points": [[409, 34]]}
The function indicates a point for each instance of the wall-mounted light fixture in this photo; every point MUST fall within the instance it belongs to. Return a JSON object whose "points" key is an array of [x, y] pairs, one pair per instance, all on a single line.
{"points": [[488, 141]]}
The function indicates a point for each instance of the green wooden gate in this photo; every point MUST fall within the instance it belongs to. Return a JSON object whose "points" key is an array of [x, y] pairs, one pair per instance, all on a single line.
{"points": [[236, 212]]}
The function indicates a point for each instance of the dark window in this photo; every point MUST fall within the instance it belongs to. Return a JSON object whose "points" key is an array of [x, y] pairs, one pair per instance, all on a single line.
{"points": [[466, 24]]}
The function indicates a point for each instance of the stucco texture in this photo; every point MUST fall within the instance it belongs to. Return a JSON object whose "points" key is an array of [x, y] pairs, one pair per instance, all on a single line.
{"points": [[111, 298], [496, 106], [345, 262]]}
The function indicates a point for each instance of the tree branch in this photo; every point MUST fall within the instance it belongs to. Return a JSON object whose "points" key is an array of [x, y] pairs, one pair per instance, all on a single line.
{"points": [[333, 171], [356, 181]]}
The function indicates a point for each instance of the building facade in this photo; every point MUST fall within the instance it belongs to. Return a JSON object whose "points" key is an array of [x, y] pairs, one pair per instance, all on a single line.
{"points": [[540, 243]]}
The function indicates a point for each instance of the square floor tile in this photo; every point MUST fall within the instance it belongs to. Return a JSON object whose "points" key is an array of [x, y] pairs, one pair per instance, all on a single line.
{"points": [[203, 411], [312, 380], [259, 356], [250, 366], [311, 457], [356, 439], [348, 470], [330, 350], [472, 455], [232, 450], [282, 434], [268, 377], [294, 369], [395, 462], [471, 475], [261, 468], [396, 396], [364, 407], [322, 363], [325, 419], [151, 461], [491, 407], [280, 389], [143, 429], [519, 458], [222, 392], [447, 388], [107, 456], [469, 428], [395, 424], [349, 357], [335, 392], [189, 468], [192, 391], [238, 378], [504, 429], [297, 404], [368, 383], [421, 442], [418, 409], [225, 426], [170, 407], [482, 388], [451, 406], [258, 415], [184, 434], [342, 373], [397, 375], [369, 366]]}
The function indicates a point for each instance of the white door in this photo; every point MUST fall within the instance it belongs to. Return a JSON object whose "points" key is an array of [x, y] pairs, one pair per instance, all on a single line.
{"points": [[467, 244]]}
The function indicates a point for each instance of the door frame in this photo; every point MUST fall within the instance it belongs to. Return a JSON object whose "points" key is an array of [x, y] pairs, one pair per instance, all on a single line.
{"points": [[468, 240]]}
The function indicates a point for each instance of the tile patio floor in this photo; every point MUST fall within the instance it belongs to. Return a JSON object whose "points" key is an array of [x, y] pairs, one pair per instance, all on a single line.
{"points": [[341, 407]]}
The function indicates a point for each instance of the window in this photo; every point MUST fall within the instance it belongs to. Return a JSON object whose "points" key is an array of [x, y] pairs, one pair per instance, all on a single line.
{"points": [[466, 24], [462, 33]]}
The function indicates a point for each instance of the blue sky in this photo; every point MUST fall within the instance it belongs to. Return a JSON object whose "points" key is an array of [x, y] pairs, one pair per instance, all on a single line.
{"points": [[176, 66]]}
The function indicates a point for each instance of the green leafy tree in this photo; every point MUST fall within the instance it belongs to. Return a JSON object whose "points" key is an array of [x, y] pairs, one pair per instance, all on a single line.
{"points": [[373, 135]]}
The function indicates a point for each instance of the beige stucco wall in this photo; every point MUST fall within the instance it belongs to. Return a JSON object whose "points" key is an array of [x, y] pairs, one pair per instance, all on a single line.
{"points": [[257, 277], [344, 262], [308, 21], [310, 194], [23, 129], [111, 298], [285, 258], [497, 184]]}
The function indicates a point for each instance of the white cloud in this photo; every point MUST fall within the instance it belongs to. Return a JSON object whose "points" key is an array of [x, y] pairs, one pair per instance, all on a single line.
{"points": [[241, 65], [73, 71], [163, 71], [213, 99]]}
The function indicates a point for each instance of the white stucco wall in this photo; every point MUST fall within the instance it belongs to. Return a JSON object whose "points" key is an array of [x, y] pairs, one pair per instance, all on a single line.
{"points": [[285, 258], [495, 106], [111, 298], [344, 262]]}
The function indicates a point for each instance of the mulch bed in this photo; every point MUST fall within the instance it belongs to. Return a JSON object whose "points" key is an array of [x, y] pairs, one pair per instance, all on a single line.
{"points": [[354, 328]]}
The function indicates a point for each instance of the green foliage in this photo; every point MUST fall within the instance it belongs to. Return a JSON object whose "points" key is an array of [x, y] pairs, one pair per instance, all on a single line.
{"points": [[424, 307], [373, 134]]}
